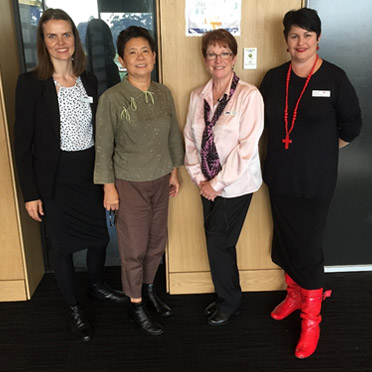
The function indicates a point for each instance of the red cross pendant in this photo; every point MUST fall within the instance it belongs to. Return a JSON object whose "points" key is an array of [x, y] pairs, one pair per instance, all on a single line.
{"points": [[287, 141]]}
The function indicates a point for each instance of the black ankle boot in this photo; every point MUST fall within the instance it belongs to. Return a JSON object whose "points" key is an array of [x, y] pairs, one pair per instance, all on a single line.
{"points": [[138, 315], [153, 302], [104, 292], [78, 325]]}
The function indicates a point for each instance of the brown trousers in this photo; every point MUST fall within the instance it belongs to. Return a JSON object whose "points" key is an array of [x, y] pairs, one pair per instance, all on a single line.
{"points": [[141, 224]]}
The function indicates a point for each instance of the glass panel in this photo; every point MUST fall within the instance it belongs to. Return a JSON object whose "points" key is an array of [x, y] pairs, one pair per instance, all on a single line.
{"points": [[78, 10], [119, 21], [101, 54], [29, 12], [88, 15]]}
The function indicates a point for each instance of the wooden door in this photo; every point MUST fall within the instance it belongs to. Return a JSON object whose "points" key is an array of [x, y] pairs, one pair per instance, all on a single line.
{"points": [[182, 69]]}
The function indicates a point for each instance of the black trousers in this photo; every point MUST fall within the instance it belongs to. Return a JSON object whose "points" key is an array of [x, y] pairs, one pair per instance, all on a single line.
{"points": [[223, 222], [65, 272]]}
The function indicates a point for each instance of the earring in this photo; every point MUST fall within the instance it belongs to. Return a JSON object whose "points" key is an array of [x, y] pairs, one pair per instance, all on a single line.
{"points": [[317, 48], [287, 49]]}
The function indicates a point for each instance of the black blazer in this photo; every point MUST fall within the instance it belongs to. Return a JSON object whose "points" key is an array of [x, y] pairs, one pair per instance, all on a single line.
{"points": [[37, 132]]}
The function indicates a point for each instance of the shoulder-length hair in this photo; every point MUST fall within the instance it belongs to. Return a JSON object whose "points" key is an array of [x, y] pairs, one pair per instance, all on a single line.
{"points": [[44, 68]]}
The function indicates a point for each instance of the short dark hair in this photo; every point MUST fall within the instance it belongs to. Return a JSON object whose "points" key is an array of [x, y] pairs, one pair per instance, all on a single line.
{"points": [[44, 68], [305, 18], [130, 33], [221, 37]]}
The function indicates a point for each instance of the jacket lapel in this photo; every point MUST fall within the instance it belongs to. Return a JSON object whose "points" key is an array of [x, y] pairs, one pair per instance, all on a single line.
{"points": [[51, 101]]}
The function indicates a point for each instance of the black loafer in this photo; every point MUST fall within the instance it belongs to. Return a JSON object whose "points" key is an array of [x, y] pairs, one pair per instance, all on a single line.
{"points": [[210, 309], [104, 292], [219, 318]]}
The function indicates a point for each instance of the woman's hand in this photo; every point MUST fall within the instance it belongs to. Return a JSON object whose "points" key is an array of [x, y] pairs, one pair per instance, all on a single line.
{"points": [[35, 209], [342, 143], [111, 197], [207, 191], [174, 184]]}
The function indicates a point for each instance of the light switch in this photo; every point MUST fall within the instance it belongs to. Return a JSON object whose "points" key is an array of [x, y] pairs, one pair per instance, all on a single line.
{"points": [[250, 58]]}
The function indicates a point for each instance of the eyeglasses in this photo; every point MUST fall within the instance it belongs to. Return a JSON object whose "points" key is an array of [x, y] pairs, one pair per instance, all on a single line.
{"points": [[223, 55], [112, 215]]}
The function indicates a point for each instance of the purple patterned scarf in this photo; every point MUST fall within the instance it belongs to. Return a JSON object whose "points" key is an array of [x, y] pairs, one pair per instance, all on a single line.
{"points": [[210, 162]]}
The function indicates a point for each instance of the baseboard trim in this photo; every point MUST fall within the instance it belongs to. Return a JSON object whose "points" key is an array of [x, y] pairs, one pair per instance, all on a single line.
{"points": [[347, 268]]}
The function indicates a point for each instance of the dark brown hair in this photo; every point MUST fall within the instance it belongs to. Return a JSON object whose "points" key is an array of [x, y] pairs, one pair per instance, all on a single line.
{"points": [[221, 37], [44, 68], [130, 33], [305, 18]]}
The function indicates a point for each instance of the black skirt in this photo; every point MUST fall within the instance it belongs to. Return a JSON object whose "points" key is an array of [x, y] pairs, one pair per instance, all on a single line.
{"points": [[75, 218], [297, 245]]}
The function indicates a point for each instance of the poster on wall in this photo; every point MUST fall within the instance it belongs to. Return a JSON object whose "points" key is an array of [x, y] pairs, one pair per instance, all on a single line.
{"points": [[207, 15]]}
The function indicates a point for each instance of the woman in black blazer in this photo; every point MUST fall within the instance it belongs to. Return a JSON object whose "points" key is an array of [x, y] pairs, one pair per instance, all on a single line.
{"points": [[54, 149]]}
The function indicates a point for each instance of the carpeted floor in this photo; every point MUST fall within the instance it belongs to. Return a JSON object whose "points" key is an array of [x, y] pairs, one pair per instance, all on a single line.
{"points": [[34, 337]]}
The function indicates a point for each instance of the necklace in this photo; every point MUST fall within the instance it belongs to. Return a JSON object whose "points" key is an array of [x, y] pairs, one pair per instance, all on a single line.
{"points": [[286, 140]]}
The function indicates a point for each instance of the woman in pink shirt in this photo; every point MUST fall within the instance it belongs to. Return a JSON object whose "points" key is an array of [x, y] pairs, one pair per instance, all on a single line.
{"points": [[224, 124]]}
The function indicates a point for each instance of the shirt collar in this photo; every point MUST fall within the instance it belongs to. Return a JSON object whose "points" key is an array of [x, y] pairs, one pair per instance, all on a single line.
{"points": [[207, 90], [131, 88]]}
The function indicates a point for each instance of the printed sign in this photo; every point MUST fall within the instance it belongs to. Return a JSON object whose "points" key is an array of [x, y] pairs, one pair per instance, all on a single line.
{"points": [[207, 15]]}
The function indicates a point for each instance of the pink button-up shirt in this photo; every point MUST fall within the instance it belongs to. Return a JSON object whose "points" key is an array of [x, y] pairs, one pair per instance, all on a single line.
{"points": [[236, 136]]}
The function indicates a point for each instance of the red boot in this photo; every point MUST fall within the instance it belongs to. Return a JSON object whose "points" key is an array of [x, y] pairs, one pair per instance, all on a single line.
{"points": [[310, 314], [292, 301]]}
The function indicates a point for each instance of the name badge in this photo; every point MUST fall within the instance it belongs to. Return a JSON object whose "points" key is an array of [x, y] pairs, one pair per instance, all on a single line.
{"points": [[321, 93], [230, 113], [87, 99]]}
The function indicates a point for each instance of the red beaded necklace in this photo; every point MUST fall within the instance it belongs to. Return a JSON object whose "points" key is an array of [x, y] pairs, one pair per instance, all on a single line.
{"points": [[286, 140]]}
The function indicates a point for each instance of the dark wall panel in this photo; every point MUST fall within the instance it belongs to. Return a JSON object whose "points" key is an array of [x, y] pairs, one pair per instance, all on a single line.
{"points": [[346, 41]]}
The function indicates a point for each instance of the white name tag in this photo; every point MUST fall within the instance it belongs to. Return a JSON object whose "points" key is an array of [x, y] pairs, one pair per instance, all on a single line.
{"points": [[87, 99], [230, 113], [321, 93]]}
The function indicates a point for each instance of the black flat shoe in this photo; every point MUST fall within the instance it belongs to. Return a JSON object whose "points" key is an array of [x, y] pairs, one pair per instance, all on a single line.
{"points": [[210, 309], [220, 318], [104, 292], [153, 302], [139, 316], [78, 325]]}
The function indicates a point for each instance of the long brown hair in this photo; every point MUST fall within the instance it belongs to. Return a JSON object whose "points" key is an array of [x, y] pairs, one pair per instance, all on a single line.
{"points": [[44, 68]]}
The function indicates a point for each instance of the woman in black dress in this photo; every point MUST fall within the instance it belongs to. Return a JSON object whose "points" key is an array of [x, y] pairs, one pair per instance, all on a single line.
{"points": [[54, 149], [311, 110]]}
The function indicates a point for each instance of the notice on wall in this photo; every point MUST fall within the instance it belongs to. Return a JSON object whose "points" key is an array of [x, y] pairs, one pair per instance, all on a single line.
{"points": [[207, 15]]}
